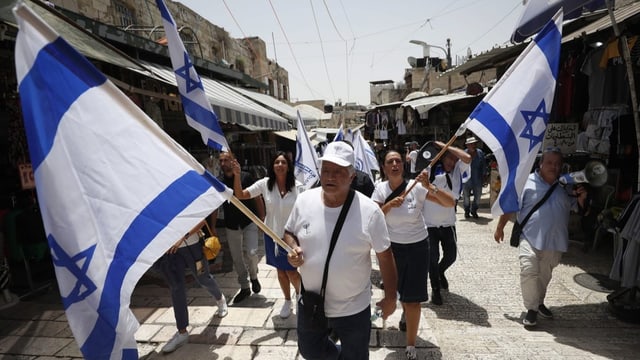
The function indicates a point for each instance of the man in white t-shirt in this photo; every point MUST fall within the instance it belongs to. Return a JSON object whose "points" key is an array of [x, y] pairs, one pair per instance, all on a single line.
{"points": [[412, 158], [347, 298], [440, 220]]}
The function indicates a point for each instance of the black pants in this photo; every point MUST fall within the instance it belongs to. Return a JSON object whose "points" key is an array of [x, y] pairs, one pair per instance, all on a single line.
{"points": [[445, 237]]}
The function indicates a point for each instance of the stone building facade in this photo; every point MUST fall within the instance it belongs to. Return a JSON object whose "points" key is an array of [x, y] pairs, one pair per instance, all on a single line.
{"points": [[202, 38]]}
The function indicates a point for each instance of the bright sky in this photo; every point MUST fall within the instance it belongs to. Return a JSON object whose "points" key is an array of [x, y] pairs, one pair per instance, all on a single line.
{"points": [[370, 39]]}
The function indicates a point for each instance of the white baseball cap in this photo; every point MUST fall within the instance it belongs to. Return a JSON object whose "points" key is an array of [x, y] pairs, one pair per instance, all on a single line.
{"points": [[339, 153]]}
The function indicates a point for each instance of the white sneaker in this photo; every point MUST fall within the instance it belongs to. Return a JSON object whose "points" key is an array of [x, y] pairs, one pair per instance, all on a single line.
{"points": [[176, 341], [222, 307], [285, 312], [410, 353]]}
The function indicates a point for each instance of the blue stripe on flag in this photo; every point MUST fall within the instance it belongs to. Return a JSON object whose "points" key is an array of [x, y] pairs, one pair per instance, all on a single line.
{"points": [[497, 125], [200, 115], [144, 228], [164, 12], [547, 40], [59, 76]]}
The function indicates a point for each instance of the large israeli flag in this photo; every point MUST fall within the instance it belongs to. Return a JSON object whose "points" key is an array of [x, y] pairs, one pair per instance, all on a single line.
{"points": [[513, 116], [306, 163], [197, 108], [115, 191]]}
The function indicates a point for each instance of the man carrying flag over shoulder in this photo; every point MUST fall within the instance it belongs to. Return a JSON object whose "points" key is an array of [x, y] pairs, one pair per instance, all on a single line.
{"points": [[515, 135], [115, 191]]}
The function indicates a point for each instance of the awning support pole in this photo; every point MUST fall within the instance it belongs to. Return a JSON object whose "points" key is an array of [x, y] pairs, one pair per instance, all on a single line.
{"points": [[632, 84]]}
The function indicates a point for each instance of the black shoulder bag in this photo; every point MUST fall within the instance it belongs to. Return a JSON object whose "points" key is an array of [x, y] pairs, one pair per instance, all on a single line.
{"points": [[313, 303], [395, 193], [517, 227]]}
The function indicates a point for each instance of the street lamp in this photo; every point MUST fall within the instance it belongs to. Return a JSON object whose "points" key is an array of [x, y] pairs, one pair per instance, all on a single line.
{"points": [[426, 53], [426, 47]]}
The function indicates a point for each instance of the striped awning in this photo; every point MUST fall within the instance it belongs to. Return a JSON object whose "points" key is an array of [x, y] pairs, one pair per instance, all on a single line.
{"points": [[230, 106]]}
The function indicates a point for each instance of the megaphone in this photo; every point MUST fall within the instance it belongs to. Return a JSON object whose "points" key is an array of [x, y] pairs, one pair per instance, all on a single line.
{"points": [[426, 153], [594, 173]]}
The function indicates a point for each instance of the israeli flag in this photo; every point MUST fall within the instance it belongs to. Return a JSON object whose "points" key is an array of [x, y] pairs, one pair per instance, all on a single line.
{"points": [[513, 116], [197, 108], [339, 135], [115, 191], [306, 163], [365, 158]]}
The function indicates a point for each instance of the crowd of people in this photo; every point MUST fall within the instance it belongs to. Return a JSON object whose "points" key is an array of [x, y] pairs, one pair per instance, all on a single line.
{"points": [[406, 218]]}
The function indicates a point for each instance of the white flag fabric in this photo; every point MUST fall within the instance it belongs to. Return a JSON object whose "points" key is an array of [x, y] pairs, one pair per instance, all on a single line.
{"points": [[115, 191], [197, 108], [513, 116], [306, 163], [366, 159]]}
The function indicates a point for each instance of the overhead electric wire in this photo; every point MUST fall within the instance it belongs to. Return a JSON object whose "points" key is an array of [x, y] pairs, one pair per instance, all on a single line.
{"points": [[244, 36], [346, 51], [324, 58], [295, 60], [493, 27]]}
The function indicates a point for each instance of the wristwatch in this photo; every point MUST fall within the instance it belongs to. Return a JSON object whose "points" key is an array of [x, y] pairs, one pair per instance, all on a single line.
{"points": [[435, 189]]}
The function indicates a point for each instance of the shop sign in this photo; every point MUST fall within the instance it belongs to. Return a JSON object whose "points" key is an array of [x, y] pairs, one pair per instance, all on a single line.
{"points": [[561, 135], [26, 176]]}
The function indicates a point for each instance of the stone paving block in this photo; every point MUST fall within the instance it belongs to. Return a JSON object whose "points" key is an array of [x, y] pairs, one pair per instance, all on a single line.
{"points": [[263, 337], [217, 335], [276, 352], [147, 331], [26, 345], [245, 317], [205, 352], [142, 313], [71, 350]]}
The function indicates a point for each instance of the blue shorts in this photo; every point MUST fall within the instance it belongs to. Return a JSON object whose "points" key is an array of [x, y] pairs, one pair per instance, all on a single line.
{"points": [[412, 263]]}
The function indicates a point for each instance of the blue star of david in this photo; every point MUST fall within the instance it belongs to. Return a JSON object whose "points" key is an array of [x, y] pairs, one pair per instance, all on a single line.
{"points": [[185, 73], [83, 286], [530, 117]]}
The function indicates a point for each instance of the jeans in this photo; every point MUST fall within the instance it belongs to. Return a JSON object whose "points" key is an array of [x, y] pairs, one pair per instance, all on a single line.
{"points": [[243, 245], [173, 268], [466, 197], [445, 236], [353, 331], [536, 267]]}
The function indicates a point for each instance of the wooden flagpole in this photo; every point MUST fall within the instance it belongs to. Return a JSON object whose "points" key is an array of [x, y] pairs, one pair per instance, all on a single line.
{"points": [[245, 210]]}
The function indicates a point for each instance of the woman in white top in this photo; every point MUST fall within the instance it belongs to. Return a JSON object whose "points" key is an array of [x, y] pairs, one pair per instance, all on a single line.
{"points": [[279, 191], [409, 239]]}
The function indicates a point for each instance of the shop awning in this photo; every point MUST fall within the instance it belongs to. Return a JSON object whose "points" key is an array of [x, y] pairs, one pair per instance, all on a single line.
{"points": [[276, 105], [491, 59], [423, 105], [621, 14], [291, 135], [230, 106]]}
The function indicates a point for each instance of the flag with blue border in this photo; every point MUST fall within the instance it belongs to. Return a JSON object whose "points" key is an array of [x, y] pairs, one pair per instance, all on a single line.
{"points": [[197, 107], [306, 162], [513, 116], [115, 191]]}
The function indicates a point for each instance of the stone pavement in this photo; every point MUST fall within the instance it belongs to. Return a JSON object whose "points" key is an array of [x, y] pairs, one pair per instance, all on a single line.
{"points": [[480, 319]]}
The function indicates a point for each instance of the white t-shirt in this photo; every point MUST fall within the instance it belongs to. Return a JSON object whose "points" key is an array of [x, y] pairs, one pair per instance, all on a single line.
{"points": [[405, 223], [436, 214], [348, 288], [277, 207], [413, 155]]}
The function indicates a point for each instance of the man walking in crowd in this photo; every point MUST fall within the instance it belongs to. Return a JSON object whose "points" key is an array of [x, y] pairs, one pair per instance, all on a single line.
{"points": [[412, 158], [242, 233], [440, 220], [474, 184], [347, 296], [545, 236]]}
